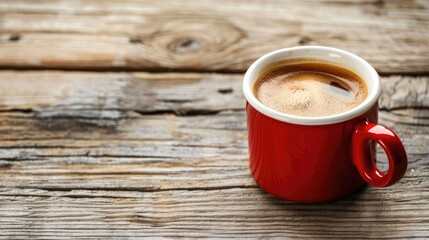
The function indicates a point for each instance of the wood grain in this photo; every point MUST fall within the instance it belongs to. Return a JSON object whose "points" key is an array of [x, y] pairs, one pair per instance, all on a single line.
{"points": [[208, 35], [54, 93], [130, 155], [58, 93], [81, 130], [105, 155], [399, 212]]}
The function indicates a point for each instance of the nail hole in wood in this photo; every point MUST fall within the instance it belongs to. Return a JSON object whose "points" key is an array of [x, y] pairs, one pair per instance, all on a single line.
{"points": [[14, 38], [304, 40], [135, 40], [225, 90]]}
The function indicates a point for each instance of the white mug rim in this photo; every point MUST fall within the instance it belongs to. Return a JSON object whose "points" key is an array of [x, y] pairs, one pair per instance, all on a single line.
{"points": [[284, 53]]}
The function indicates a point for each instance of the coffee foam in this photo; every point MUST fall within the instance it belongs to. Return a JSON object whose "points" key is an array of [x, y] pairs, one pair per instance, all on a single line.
{"points": [[310, 89]]}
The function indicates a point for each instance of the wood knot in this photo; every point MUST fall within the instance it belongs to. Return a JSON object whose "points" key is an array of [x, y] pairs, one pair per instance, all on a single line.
{"points": [[186, 45], [191, 38]]}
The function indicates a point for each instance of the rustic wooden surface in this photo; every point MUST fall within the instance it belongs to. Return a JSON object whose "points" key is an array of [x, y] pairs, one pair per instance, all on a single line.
{"points": [[125, 119]]}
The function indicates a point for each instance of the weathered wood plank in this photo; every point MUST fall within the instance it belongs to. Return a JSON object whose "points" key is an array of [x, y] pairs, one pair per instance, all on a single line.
{"points": [[398, 212], [75, 130], [107, 95], [58, 93], [101, 154], [72, 103], [208, 35], [195, 159], [149, 153], [129, 155]]}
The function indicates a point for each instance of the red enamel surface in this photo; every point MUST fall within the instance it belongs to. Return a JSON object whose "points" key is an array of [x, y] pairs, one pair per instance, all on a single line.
{"points": [[392, 146], [314, 163]]}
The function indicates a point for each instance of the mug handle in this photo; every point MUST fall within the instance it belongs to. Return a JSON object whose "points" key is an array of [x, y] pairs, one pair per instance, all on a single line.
{"points": [[389, 141]]}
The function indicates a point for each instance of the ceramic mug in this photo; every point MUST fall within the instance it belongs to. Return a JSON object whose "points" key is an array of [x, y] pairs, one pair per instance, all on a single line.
{"points": [[316, 159]]}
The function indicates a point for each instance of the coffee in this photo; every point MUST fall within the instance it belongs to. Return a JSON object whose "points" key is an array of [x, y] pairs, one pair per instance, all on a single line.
{"points": [[309, 87]]}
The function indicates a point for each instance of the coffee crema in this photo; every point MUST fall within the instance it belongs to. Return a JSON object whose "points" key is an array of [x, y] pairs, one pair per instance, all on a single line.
{"points": [[309, 87]]}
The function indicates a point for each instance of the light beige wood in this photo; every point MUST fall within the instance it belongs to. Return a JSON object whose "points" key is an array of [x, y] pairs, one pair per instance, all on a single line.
{"points": [[55, 93], [126, 155], [101, 155], [132, 157], [207, 35], [113, 94], [399, 212]]}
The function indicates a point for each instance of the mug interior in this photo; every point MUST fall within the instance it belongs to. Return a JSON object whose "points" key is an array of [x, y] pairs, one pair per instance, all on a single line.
{"points": [[327, 54]]}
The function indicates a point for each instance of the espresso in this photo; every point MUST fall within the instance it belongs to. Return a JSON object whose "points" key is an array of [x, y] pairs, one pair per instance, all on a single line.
{"points": [[309, 87]]}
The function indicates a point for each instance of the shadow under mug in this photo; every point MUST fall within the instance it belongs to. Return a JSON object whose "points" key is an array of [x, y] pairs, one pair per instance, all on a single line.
{"points": [[316, 159]]}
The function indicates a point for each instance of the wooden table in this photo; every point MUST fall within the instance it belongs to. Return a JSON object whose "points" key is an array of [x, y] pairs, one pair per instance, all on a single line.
{"points": [[125, 119]]}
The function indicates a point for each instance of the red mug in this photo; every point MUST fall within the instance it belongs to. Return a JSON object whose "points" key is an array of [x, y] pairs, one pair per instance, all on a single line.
{"points": [[317, 159]]}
